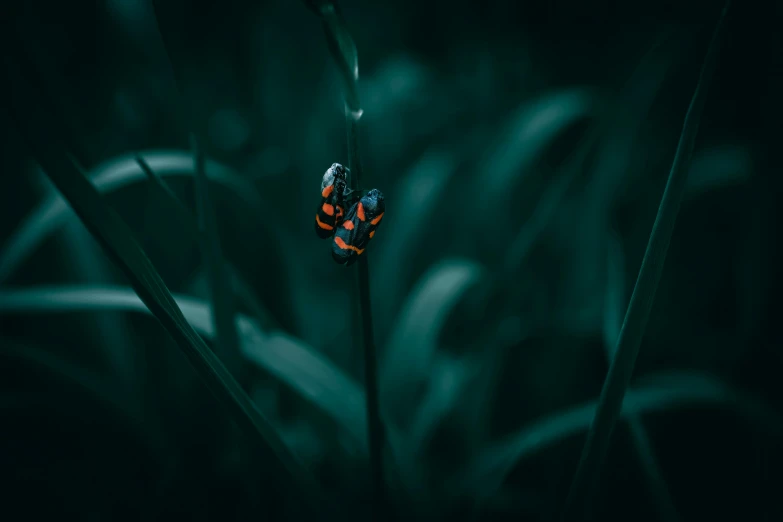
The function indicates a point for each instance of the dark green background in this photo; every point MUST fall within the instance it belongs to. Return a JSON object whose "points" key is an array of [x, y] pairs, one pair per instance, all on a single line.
{"points": [[471, 114]]}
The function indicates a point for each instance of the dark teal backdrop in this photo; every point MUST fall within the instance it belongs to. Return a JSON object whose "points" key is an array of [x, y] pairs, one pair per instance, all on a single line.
{"points": [[522, 148]]}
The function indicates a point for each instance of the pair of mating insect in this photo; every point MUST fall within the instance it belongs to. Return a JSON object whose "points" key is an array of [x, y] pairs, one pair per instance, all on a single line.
{"points": [[354, 230]]}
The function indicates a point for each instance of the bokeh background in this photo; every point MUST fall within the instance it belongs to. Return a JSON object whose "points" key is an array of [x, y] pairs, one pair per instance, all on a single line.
{"points": [[522, 147]]}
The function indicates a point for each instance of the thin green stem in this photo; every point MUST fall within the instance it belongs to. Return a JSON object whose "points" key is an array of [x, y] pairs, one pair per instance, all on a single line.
{"points": [[366, 334], [352, 140], [615, 304], [343, 51], [632, 332]]}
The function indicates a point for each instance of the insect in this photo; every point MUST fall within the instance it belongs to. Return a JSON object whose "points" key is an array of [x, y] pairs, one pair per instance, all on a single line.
{"points": [[332, 210], [358, 228]]}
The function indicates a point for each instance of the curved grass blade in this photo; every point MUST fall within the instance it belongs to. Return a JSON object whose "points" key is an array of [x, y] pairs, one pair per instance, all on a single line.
{"points": [[534, 127], [117, 240], [621, 369], [664, 392], [445, 387], [638, 93], [615, 303], [418, 189], [107, 177], [312, 376], [91, 266], [188, 223], [449, 378], [413, 344], [297, 365], [303, 369]]}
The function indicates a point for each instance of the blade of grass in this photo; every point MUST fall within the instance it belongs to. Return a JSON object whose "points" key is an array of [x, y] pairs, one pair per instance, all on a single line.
{"points": [[638, 92], [297, 365], [117, 240], [87, 261], [222, 296], [343, 51], [621, 369], [416, 191], [188, 222], [91, 266], [667, 391], [413, 344], [614, 307], [530, 131], [111, 176]]}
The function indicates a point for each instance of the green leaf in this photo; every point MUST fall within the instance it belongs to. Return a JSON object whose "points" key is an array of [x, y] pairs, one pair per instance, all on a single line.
{"points": [[297, 365], [531, 130], [413, 343], [620, 120], [113, 175], [242, 288], [665, 392], [615, 303], [449, 376], [114, 236], [417, 191], [635, 323], [90, 265], [220, 287]]}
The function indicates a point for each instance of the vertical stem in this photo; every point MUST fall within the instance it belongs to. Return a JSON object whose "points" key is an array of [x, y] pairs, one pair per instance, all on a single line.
{"points": [[363, 329], [343, 50]]}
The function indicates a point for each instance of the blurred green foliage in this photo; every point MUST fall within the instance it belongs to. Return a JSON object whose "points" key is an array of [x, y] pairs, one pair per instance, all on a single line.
{"points": [[523, 151]]}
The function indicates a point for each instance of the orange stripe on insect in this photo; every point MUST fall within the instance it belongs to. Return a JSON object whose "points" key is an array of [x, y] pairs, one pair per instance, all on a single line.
{"points": [[348, 225], [328, 190], [328, 209], [340, 243], [372, 233], [376, 220], [360, 211], [322, 224]]}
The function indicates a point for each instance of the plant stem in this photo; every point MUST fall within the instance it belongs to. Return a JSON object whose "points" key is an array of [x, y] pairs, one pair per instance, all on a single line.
{"points": [[343, 51], [364, 318], [622, 366]]}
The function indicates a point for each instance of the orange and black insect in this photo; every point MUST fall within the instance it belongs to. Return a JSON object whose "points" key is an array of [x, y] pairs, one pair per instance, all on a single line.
{"points": [[332, 210], [358, 228]]}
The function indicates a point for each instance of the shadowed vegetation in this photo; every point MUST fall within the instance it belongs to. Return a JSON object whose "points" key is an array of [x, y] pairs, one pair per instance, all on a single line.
{"points": [[178, 343]]}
